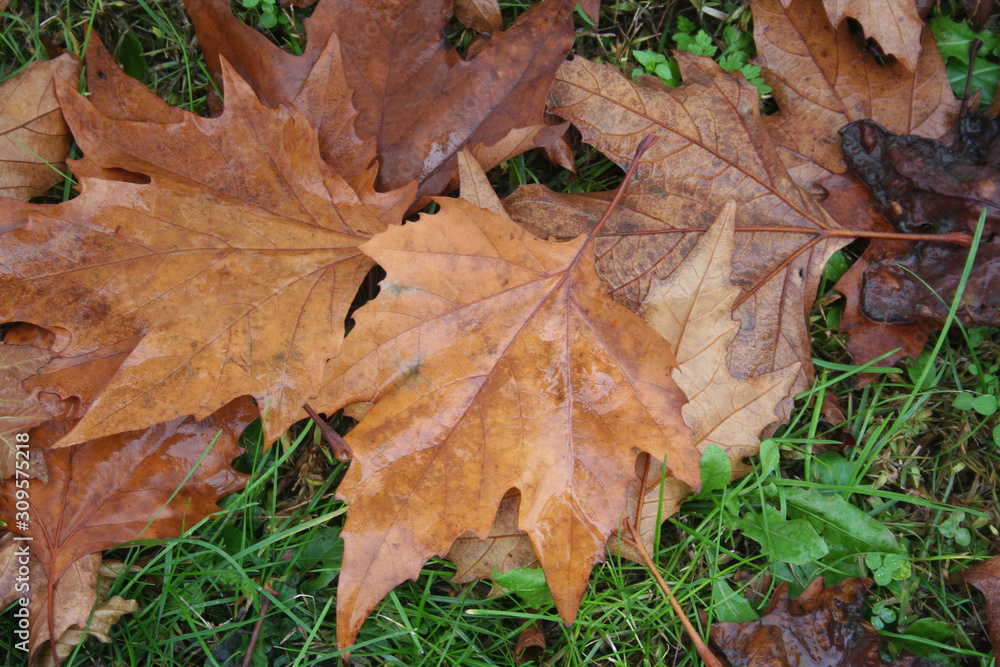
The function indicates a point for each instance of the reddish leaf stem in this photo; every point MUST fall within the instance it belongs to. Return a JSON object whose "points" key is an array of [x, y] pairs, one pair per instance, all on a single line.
{"points": [[703, 651], [340, 448], [644, 145], [53, 641], [265, 603]]}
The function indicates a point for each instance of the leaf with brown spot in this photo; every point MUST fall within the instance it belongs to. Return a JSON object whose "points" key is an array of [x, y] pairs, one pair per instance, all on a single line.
{"points": [[986, 577], [120, 96], [20, 409], [32, 129], [894, 24], [464, 412], [712, 149], [234, 264], [415, 96], [823, 627]]}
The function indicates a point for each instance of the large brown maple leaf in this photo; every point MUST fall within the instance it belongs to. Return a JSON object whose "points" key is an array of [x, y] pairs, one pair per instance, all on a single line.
{"points": [[230, 253], [420, 101], [497, 362], [713, 149]]}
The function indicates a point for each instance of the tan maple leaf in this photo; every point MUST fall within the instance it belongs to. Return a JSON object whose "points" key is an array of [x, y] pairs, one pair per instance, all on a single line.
{"points": [[32, 129], [419, 100], [713, 149], [75, 596], [691, 308], [497, 362], [481, 15], [233, 261]]}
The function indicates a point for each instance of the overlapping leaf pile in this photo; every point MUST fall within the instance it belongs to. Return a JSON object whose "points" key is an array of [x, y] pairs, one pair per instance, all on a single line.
{"points": [[521, 407]]}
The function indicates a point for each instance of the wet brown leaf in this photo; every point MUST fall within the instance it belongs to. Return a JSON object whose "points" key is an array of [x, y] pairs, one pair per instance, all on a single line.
{"points": [[822, 628], [32, 129], [986, 577], [464, 411], [713, 149], [234, 263], [415, 96]]}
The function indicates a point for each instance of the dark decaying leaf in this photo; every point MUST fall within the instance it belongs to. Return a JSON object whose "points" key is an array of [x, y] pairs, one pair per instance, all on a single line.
{"points": [[986, 577], [822, 628], [899, 291]]}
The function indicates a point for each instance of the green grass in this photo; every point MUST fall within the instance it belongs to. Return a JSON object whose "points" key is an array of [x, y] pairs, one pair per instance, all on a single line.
{"points": [[924, 469]]}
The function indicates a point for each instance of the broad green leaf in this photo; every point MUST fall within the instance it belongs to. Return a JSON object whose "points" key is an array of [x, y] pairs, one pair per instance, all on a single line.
{"points": [[846, 529], [769, 457], [729, 606], [791, 541], [528, 583], [716, 469]]}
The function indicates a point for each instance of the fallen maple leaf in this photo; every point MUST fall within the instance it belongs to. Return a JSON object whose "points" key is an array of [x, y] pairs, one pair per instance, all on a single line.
{"points": [[75, 594], [692, 308], [823, 626], [153, 484], [234, 262], [415, 96], [986, 577], [497, 362], [894, 24], [32, 129], [714, 149]]}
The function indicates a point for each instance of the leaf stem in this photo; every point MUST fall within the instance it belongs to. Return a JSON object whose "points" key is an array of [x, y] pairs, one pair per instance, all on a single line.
{"points": [[644, 145], [340, 448], [703, 651], [265, 603]]}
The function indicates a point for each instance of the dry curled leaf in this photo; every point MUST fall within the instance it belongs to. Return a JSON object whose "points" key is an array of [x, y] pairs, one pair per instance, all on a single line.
{"points": [[416, 97], [823, 627], [713, 149], [233, 262], [481, 15], [32, 129], [986, 577], [464, 411]]}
